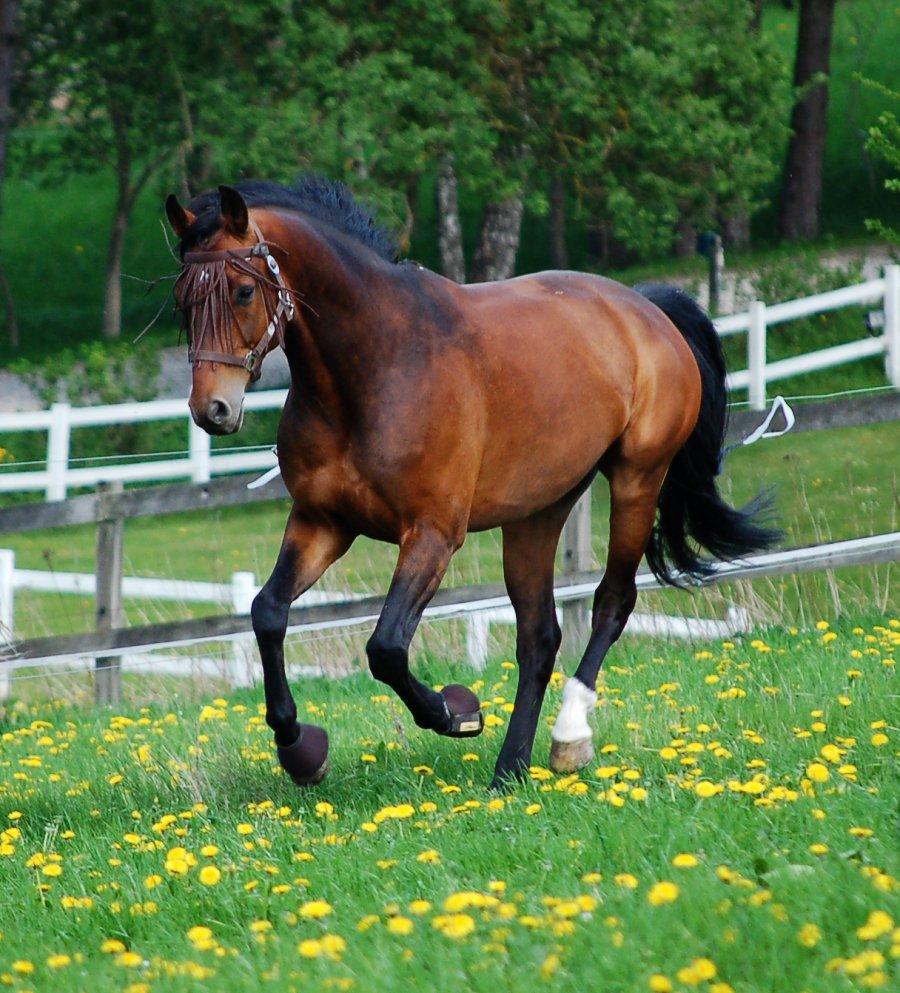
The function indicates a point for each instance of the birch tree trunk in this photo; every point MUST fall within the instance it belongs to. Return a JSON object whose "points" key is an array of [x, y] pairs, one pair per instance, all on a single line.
{"points": [[450, 243], [501, 225]]}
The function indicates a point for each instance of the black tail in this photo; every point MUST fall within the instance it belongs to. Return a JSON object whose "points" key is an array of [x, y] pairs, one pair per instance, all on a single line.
{"points": [[691, 511]]}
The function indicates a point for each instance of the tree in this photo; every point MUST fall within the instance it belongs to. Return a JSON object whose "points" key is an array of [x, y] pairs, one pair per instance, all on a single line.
{"points": [[884, 143], [9, 38], [801, 191], [112, 102]]}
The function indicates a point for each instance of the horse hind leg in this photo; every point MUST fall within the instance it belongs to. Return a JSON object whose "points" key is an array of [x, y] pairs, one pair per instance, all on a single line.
{"points": [[634, 493], [529, 550]]}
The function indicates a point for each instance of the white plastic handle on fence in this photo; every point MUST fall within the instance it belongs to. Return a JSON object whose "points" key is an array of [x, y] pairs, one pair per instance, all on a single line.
{"points": [[270, 474], [778, 404]]}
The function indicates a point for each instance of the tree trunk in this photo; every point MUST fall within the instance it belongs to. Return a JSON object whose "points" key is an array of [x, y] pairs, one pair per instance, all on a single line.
{"points": [[112, 305], [736, 230], [685, 239], [501, 225], [9, 10], [801, 191], [450, 244], [559, 252]]}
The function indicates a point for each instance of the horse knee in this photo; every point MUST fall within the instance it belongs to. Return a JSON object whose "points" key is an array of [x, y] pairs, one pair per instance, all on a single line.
{"points": [[387, 659], [268, 615]]}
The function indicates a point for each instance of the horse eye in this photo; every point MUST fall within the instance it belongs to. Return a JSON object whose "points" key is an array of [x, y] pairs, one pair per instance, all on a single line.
{"points": [[244, 294]]}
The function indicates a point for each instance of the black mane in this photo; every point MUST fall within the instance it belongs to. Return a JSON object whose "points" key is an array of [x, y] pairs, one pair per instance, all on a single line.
{"points": [[326, 200]]}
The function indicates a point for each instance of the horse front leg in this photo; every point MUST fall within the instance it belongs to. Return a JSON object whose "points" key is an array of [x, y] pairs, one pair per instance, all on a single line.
{"points": [[307, 550], [425, 552]]}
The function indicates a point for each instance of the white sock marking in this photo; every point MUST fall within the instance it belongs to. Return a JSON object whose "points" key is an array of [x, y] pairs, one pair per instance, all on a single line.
{"points": [[578, 703]]}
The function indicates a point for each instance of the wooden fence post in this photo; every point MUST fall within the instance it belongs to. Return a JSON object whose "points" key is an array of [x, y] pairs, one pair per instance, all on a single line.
{"points": [[110, 533], [576, 625]]}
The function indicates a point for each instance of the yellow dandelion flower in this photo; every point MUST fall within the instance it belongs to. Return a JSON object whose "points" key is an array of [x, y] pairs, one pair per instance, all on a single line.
{"points": [[400, 925], [112, 946], [659, 983], [817, 772], [661, 893], [58, 961], [429, 857], [315, 909], [454, 925], [809, 935], [549, 966], [23, 967], [210, 875], [685, 860], [310, 948], [625, 880], [698, 971], [129, 960]]}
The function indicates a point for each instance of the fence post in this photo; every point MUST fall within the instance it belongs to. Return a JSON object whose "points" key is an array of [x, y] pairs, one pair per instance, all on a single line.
{"points": [[756, 356], [57, 452], [478, 629], [892, 324], [716, 272], [576, 625], [242, 669], [110, 534], [7, 612], [199, 447]]}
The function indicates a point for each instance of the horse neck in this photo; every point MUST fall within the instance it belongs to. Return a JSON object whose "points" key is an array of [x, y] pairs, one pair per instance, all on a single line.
{"points": [[332, 337]]}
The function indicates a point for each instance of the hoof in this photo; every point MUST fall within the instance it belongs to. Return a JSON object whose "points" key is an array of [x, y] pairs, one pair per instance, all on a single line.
{"points": [[464, 711], [570, 756], [306, 761]]}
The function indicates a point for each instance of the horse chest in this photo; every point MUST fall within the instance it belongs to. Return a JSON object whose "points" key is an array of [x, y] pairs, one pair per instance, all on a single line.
{"points": [[336, 488]]}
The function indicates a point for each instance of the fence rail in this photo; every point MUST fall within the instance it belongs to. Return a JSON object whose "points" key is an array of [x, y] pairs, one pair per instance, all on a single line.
{"points": [[447, 603], [202, 462]]}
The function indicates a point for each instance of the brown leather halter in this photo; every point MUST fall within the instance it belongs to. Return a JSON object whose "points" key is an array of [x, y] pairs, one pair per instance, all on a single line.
{"points": [[284, 311]]}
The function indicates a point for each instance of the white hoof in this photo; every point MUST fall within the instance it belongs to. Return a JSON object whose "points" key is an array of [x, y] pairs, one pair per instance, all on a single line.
{"points": [[570, 756]]}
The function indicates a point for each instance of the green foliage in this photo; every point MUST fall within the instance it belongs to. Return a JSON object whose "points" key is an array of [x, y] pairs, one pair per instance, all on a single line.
{"points": [[884, 143]]}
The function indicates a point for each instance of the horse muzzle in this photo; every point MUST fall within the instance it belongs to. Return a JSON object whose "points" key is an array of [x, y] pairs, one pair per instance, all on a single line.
{"points": [[218, 416]]}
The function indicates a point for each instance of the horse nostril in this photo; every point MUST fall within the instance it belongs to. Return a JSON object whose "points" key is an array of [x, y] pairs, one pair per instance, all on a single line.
{"points": [[218, 412]]}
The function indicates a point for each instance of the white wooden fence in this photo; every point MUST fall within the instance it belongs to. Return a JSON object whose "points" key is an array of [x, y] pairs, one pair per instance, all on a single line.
{"points": [[200, 462], [758, 318], [239, 666]]}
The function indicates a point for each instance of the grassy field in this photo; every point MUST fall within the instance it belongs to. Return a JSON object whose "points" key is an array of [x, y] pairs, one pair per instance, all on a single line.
{"points": [[737, 833]]}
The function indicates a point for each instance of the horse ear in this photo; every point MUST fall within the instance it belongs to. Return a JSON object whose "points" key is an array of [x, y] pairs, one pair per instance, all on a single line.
{"points": [[179, 217], [234, 210]]}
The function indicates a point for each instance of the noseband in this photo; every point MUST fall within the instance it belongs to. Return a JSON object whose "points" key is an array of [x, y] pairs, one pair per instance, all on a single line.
{"points": [[284, 312]]}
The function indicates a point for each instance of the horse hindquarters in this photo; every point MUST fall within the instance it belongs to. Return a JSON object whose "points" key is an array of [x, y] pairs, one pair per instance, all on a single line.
{"points": [[691, 510]]}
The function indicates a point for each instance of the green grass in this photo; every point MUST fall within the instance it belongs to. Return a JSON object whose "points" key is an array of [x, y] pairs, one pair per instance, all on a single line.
{"points": [[829, 485], [107, 799]]}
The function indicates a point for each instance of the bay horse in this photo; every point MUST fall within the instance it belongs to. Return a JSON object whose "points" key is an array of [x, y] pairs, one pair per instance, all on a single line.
{"points": [[421, 409]]}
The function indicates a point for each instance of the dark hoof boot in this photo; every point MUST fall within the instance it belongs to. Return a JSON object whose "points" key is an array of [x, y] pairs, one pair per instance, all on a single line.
{"points": [[306, 761], [464, 711]]}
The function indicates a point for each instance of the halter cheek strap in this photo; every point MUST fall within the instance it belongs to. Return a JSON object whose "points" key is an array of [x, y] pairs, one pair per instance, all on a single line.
{"points": [[252, 361]]}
